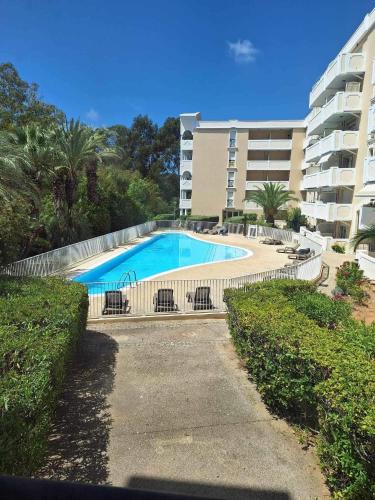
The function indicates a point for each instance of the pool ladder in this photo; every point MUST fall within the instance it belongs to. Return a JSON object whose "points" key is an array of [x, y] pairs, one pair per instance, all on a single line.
{"points": [[129, 278]]}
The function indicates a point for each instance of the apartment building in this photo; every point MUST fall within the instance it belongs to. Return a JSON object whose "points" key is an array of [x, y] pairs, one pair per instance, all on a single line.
{"points": [[327, 159], [222, 161], [338, 186]]}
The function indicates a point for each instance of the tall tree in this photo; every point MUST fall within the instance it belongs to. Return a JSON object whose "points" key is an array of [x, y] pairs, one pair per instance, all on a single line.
{"points": [[271, 198], [20, 103], [366, 235]]}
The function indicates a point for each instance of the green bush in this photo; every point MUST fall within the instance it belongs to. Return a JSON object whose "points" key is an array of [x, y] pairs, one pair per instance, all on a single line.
{"points": [[203, 218], [349, 278], [314, 376], [40, 323], [336, 247], [164, 217], [239, 219], [323, 310]]}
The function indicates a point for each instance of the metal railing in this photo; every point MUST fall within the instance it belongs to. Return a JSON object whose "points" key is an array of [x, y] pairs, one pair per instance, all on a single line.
{"points": [[61, 258]]}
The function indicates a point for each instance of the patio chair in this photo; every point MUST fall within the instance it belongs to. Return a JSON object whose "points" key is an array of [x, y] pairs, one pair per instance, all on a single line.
{"points": [[115, 303], [302, 254], [163, 300], [199, 228], [289, 249], [215, 230], [224, 231], [200, 298]]}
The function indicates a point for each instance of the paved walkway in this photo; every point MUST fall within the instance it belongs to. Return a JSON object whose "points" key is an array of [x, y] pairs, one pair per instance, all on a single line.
{"points": [[166, 406]]}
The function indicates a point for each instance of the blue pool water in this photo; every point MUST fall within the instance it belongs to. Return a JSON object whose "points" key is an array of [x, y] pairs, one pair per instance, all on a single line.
{"points": [[161, 253]]}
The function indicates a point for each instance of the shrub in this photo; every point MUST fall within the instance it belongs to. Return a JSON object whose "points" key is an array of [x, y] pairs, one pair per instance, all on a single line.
{"points": [[313, 376], [40, 323], [203, 218], [323, 310], [164, 217], [336, 247], [238, 219], [349, 278]]}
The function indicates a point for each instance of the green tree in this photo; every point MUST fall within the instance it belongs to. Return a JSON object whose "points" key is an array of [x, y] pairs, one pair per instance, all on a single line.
{"points": [[295, 219], [271, 198], [366, 235], [20, 104]]}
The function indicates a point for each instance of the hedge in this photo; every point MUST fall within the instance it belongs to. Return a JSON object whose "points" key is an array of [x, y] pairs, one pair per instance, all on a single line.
{"points": [[164, 217], [40, 323], [203, 218], [314, 376]]}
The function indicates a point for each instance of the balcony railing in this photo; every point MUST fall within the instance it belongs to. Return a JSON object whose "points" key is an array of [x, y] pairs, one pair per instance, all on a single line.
{"points": [[187, 144], [329, 114], [338, 140], [369, 170], [332, 177], [230, 203], [232, 143], [185, 184], [254, 185], [232, 164], [230, 183], [329, 212], [371, 118], [184, 203], [343, 66], [268, 165], [270, 144], [186, 166]]}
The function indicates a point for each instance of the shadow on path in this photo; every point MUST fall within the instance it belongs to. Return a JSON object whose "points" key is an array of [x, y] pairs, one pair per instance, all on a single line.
{"points": [[77, 448]]}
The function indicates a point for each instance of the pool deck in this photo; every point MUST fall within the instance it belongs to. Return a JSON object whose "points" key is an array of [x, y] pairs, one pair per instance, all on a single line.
{"points": [[263, 258]]}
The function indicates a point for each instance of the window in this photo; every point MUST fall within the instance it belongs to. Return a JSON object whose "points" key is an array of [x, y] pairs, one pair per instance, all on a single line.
{"points": [[232, 138], [232, 159], [187, 155], [231, 179], [230, 199]]}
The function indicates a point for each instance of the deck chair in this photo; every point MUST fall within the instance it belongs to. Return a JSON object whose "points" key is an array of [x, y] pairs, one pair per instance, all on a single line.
{"points": [[163, 300], [200, 298], [289, 249], [302, 254], [115, 303], [223, 231]]}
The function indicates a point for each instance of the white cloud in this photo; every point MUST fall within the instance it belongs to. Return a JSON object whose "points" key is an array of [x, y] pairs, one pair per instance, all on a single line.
{"points": [[242, 51], [92, 115]]}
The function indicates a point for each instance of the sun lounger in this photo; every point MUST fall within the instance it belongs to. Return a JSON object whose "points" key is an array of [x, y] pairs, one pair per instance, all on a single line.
{"points": [[163, 300], [271, 241], [115, 303], [302, 254], [200, 298], [223, 231], [289, 249], [215, 230], [199, 228]]}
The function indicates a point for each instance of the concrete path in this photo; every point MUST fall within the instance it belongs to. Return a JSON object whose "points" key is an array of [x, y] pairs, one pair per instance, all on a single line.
{"points": [[166, 406]]}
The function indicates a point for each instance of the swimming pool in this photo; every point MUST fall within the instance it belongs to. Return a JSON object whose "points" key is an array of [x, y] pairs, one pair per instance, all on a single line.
{"points": [[160, 254]]}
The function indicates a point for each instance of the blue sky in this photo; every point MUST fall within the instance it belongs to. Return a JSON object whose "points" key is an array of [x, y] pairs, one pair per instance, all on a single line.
{"points": [[107, 61]]}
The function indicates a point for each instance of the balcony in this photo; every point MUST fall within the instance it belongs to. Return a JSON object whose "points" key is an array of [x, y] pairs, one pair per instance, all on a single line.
{"points": [[186, 144], [254, 185], [268, 165], [332, 177], [186, 184], [186, 166], [330, 115], [338, 70], [369, 170], [185, 203], [371, 120], [251, 205], [329, 212], [338, 140], [270, 144]]}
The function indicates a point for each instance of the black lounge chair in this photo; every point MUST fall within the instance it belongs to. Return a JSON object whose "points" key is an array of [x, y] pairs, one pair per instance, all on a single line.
{"points": [[163, 300], [115, 303], [224, 231], [302, 254], [200, 298]]}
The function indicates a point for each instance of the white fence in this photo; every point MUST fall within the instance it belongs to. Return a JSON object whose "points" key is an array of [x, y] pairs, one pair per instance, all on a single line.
{"points": [[367, 264], [56, 260]]}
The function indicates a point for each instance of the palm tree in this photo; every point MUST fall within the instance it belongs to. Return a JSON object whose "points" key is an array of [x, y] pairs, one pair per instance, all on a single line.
{"points": [[366, 235], [271, 198], [82, 149]]}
